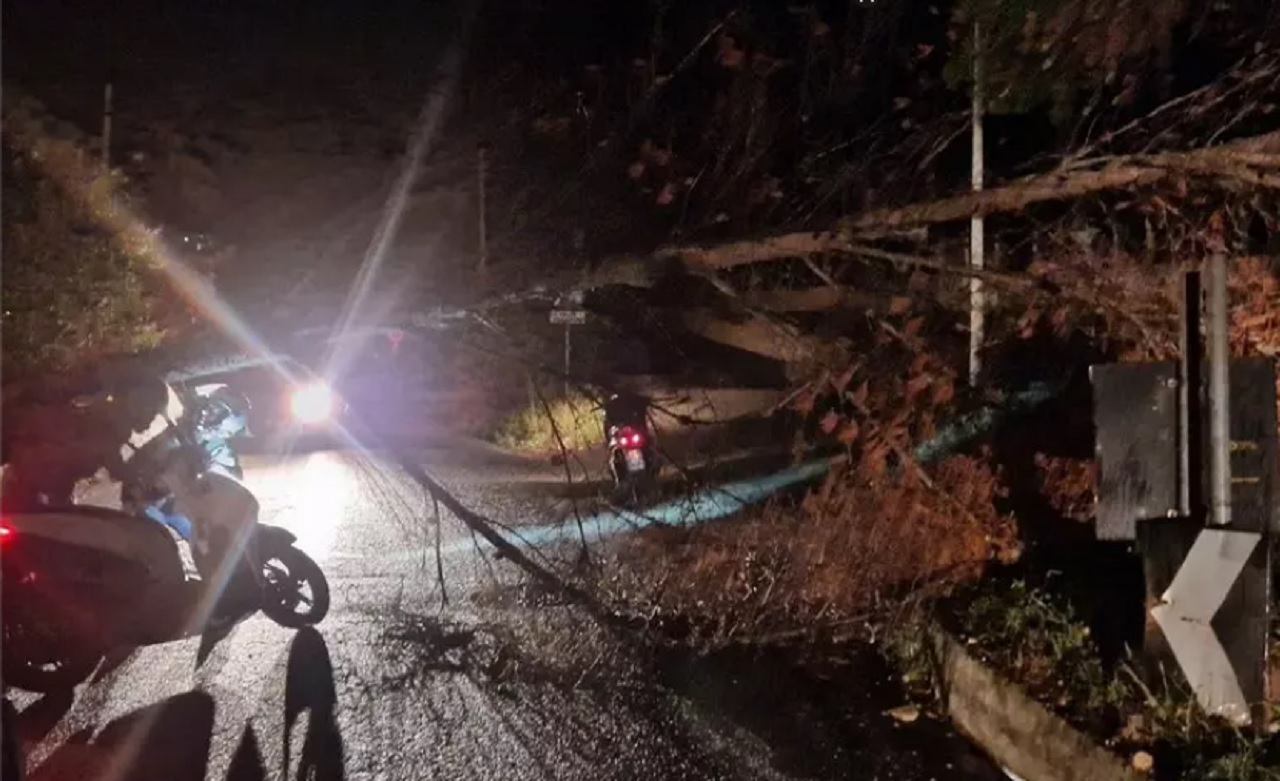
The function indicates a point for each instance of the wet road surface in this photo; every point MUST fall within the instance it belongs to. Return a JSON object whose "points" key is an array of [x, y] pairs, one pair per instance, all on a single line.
{"points": [[482, 678]]}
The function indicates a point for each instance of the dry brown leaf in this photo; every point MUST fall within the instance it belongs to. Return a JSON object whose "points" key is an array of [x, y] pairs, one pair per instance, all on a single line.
{"points": [[913, 326], [859, 396], [917, 384], [804, 402], [830, 422], [1250, 322], [899, 305], [848, 433], [944, 392]]}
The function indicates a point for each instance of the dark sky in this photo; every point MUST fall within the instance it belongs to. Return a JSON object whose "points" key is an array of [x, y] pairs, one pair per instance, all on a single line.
{"points": [[65, 49]]}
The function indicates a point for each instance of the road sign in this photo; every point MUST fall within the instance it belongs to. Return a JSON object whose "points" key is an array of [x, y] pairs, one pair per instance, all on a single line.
{"points": [[568, 316], [1185, 616]]}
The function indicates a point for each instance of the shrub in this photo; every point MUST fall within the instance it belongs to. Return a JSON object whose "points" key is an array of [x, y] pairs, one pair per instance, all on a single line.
{"points": [[578, 419]]}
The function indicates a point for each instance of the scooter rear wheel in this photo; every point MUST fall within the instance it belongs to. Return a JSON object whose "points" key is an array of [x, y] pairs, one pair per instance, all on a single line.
{"points": [[288, 574], [33, 665]]}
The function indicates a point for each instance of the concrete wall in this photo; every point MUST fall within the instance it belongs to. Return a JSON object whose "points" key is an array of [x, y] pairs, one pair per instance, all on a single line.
{"points": [[1019, 733]]}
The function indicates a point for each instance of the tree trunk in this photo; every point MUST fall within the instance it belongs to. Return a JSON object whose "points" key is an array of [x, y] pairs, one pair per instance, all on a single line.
{"points": [[817, 299], [1251, 160], [759, 335]]}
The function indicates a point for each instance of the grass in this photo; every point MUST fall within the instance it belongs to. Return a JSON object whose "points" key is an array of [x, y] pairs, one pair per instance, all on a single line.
{"points": [[577, 420]]}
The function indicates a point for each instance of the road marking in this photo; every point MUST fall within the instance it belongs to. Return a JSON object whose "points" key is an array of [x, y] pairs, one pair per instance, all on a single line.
{"points": [[1186, 613]]}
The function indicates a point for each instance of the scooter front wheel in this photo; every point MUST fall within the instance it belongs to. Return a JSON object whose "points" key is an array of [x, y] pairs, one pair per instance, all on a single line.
{"points": [[295, 592]]}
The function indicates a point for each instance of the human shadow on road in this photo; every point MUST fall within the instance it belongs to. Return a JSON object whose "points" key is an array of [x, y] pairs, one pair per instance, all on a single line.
{"points": [[246, 763], [309, 688], [168, 740]]}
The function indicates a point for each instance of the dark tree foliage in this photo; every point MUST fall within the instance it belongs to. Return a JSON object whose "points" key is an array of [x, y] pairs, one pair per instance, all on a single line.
{"points": [[71, 289], [736, 116]]}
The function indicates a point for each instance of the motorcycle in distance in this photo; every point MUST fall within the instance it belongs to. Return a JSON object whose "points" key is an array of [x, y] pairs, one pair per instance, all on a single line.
{"points": [[82, 582], [632, 460]]}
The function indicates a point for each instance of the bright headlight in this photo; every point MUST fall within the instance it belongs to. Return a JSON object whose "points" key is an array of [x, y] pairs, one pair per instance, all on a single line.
{"points": [[312, 403]]}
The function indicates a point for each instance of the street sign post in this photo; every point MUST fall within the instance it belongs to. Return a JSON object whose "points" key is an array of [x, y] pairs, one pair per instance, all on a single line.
{"points": [[1201, 508], [569, 317]]}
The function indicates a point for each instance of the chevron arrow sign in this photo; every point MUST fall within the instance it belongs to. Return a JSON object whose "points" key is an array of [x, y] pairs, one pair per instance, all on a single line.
{"points": [[1185, 616]]}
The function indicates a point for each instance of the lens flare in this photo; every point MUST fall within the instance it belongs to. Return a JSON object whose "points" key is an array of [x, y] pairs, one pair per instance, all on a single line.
{"points": [[312, 403]]}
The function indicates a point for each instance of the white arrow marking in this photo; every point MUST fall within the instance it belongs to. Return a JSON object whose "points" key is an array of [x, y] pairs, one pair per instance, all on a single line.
{"points": [[1187, 608]]}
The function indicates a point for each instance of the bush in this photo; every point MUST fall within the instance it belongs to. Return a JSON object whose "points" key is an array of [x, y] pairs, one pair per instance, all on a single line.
{"points": [[854, 549], [578, 419]]}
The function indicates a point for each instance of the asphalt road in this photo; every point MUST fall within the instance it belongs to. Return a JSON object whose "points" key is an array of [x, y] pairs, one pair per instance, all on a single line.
{"points": [[499, 683]]}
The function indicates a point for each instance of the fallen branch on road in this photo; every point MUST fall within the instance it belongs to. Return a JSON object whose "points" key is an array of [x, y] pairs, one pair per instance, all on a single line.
{"points": [[485, 528]]}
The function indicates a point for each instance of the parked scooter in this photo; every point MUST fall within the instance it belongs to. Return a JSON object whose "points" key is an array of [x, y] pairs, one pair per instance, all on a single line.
{"points": [[632, 457], [81, 581]]}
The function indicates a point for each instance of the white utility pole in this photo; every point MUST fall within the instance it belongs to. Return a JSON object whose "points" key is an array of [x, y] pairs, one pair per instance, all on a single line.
{"points": [[106, 127], [977, 232]]}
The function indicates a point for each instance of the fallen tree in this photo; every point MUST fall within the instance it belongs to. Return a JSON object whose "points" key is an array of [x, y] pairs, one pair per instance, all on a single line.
{"points": [[1253, 161], [759, 334]]}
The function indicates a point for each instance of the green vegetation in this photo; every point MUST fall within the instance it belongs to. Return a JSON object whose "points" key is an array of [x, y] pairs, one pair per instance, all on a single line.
{"points": [[1034, 637], [577, 419], [75, 284]]}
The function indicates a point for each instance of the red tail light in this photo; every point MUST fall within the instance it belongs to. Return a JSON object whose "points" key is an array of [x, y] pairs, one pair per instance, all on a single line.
{"points": [[629, 439], [6, 532]]}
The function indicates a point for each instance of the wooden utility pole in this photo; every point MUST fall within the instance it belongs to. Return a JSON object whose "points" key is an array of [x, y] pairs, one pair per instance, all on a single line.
{"points": [[977, 232], [106, 127], [482, 165]]}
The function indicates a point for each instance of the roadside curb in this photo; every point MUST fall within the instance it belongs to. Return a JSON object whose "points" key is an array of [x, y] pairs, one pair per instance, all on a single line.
{"points": [[1020, 734]]}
